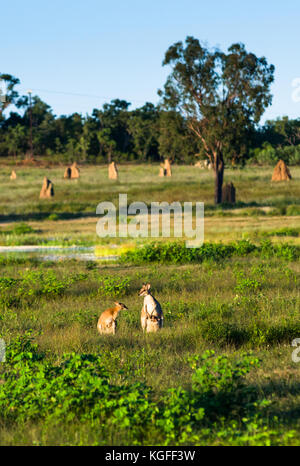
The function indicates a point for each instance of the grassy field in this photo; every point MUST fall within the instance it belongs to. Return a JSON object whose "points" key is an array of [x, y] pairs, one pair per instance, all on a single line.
{"points": [[69, 218], [133, 388]]}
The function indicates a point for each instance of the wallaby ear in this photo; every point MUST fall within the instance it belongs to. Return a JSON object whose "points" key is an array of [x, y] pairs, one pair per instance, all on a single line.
{"points": [[148, 286]]}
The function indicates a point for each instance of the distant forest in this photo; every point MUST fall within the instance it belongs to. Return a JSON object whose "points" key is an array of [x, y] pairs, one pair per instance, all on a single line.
{"points": [[114, 132]]}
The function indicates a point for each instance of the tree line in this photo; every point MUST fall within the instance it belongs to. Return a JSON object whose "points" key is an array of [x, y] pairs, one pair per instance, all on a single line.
{"points": [[114, 132], [146, 134]]}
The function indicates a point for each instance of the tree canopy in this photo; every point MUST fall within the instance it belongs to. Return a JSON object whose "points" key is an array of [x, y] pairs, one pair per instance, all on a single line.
{"points": [[220, 95]]}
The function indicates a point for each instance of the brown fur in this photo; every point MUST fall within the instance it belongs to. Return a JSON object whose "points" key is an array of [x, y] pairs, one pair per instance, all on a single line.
{"points": [[107, 322], [151, 315]]}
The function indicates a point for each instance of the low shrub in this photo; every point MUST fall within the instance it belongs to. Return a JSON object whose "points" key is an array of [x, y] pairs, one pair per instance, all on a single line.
{"points": [[34, 284], [293, 209], [114, 286], [259, 334], [176, 252], [78, 388]]}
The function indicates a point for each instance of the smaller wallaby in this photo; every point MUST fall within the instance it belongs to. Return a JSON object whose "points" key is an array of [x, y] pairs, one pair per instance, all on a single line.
{"points": [[151, 315], [107, 322]]}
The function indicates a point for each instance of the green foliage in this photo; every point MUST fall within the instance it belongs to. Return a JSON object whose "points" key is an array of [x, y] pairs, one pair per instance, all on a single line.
{"points": [[114, 286], [269, 155], [287, 231], [204, 402], [78, 388], [219, 376], [176, 252], [258, 334], [175, 140], [11, 95], [143, 128], [293, 210], [218, 391], [245, 284], [32, 285], [151, 132], [222, 96], [22, 229], [53, 217]]}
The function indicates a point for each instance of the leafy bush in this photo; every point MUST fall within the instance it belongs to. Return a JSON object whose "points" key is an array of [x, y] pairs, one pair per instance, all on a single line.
{"points": [[79, 389], [76, 388], [218, 390], [245, 285], [177, 310], [294, 232], [33, 284], [176, 252], [269, 155], [114, 286], [293, 210], [53, 217], [22, 229], [258, 334]]}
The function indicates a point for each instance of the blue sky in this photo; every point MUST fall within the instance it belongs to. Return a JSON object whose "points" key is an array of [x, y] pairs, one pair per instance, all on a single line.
{"points": [[114, 49]]}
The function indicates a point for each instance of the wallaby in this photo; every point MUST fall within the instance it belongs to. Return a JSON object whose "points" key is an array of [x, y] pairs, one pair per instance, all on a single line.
{"points": [[107, 322], [151, 315]]}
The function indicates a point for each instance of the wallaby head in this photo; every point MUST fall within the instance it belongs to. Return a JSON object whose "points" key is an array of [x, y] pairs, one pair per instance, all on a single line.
{"points": [[145, 289], [120, 306]]}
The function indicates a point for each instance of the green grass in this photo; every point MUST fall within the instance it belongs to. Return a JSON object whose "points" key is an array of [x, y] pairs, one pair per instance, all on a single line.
{"points": [[70, 217], [73, 198], [253, 306], [238, 294]]}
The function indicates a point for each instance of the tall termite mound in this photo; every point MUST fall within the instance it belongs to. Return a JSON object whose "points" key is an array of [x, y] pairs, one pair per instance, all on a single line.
{"points": [[74, 171], [162, 170], [47, 190], [67, 174], [165, 168], [281, 172], [228, 193], [112, 171]]}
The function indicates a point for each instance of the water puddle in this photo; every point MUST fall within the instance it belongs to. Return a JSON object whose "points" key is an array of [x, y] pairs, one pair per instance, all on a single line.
{"points": [[56, 253]]}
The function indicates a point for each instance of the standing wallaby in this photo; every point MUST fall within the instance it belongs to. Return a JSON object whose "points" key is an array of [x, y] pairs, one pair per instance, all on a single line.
{"points": [[151, 315], [107, 322]]}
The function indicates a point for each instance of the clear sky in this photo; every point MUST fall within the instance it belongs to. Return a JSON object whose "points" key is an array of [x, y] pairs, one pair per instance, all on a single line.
{"points": [[98, 50]]}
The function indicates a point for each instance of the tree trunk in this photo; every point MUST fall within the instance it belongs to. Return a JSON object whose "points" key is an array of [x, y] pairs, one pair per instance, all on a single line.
{"points": [[219, 173]]}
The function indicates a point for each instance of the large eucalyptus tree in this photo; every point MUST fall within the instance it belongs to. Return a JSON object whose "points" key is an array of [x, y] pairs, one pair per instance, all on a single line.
{"points": [[221, 95]]}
